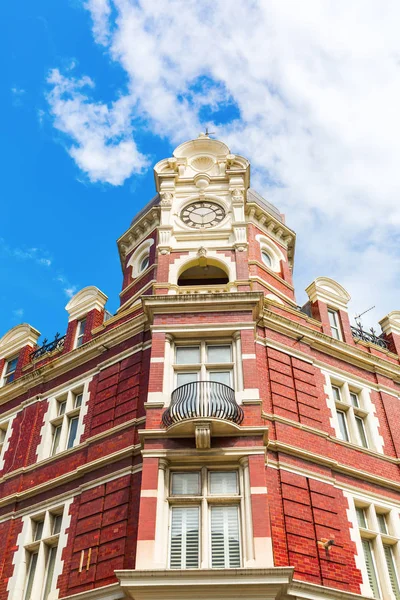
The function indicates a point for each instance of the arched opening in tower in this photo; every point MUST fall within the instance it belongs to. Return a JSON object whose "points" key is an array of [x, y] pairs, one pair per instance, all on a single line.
{"points": [[203, 275]]}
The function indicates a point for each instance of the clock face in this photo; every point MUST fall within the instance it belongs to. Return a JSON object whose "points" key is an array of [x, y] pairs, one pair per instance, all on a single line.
{"points": [[202, 215]]}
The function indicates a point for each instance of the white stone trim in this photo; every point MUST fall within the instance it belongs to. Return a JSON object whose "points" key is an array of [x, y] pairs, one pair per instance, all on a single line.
{"points": [[16, 338], [46, 437], [16, 584], [371, 420], [138, 255], [328, 291], [274, 252], [7, 439], [84, 301]]}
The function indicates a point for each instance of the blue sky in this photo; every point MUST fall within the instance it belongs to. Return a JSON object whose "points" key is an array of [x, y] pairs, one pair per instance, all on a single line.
{"points": [[93, 94]]}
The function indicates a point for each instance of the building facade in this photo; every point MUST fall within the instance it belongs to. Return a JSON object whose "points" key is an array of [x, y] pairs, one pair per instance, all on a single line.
{"points": [[212, 439]]}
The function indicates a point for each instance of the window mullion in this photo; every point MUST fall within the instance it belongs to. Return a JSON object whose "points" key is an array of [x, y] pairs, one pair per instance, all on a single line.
{"points": [[382, 567], [39, 574]]}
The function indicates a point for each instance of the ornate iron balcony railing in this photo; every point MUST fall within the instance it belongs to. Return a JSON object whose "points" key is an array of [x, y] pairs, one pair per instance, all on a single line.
{"points": [[371, 336], [203, 399], [56, 344]]}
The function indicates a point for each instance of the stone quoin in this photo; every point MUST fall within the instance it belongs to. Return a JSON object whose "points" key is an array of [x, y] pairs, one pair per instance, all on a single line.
{"points": [[211, 439]]}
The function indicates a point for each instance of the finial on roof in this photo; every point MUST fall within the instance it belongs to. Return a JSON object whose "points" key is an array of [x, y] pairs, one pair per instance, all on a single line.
{"points": [[206, 134]]}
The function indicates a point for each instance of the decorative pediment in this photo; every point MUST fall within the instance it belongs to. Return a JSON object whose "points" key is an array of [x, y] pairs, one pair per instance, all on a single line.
{"points": [[16, 338], [86, 300], [328, 291]]}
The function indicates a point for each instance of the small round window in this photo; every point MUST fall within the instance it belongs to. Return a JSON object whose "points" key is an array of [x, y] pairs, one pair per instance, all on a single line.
{"points": [[144, 263], [266, 258]]}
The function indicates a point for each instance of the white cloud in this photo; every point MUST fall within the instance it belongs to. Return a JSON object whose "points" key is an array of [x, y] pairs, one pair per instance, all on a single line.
{"points": [[68, 289], [103, 146], [317, 85], [18, 312]]}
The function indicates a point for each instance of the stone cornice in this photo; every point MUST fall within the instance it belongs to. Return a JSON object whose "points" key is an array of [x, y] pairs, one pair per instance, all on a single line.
{"points": [[272, 227], [78, 356], [341, 372], [271, 273], [232, 301], [53, 501], [138, 231], [325, 343], [71, 475], [334, 465], [331, 480], [230, 584], [330, 438]]}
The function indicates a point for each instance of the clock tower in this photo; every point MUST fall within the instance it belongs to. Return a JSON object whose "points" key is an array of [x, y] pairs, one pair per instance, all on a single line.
{"points": [[206, 214]]}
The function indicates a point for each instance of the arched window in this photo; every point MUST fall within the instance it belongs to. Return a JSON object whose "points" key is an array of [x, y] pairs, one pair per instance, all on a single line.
{"points": [[144, 263], [266, 258], [209, 274]]}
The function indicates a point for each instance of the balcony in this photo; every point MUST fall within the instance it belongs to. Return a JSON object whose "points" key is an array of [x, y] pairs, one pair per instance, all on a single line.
{"points": [[203, 400], [368, 336]]}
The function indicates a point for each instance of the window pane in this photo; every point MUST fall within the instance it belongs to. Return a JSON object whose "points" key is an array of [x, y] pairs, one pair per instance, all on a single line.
{"points": [[219, 354], [394, 581], [31, 576], [61, 407], [223, 482], [56, 440], [188, 355], [336, 393], [361, 432], [354, 399], [185, 484], [57, 520], [82, 325], [144, 264], [333, 319], [225, 543], [78, 400], [220, 377], [361, 518], [51, 561], [73, 426], [184, 551], [342, 425], [370, 565], [11, 365], [184, 378], [382, 522], [38, 530], [266, 258]]}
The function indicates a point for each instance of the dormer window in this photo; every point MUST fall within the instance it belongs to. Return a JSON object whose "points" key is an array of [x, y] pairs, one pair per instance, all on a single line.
{"points": [[80, 333], [9, 371], [334, 322]]}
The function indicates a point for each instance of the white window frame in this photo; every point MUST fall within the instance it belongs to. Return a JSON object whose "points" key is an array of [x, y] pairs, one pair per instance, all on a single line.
{"points": [[25, 545], [53, 419], [205, 501], [203, 368], [7, 374], [42, 546], [378, 540], [80, 332], [344, 399], [335, 324]]}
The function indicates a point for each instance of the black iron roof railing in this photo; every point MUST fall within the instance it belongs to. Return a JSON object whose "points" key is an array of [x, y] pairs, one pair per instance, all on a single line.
{"points": [[56, 344], [204, 399], [368, 336]]}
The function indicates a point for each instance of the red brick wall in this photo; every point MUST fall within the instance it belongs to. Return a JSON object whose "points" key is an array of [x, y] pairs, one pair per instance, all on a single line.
{"points": [[304, 511], [102, 519]]}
